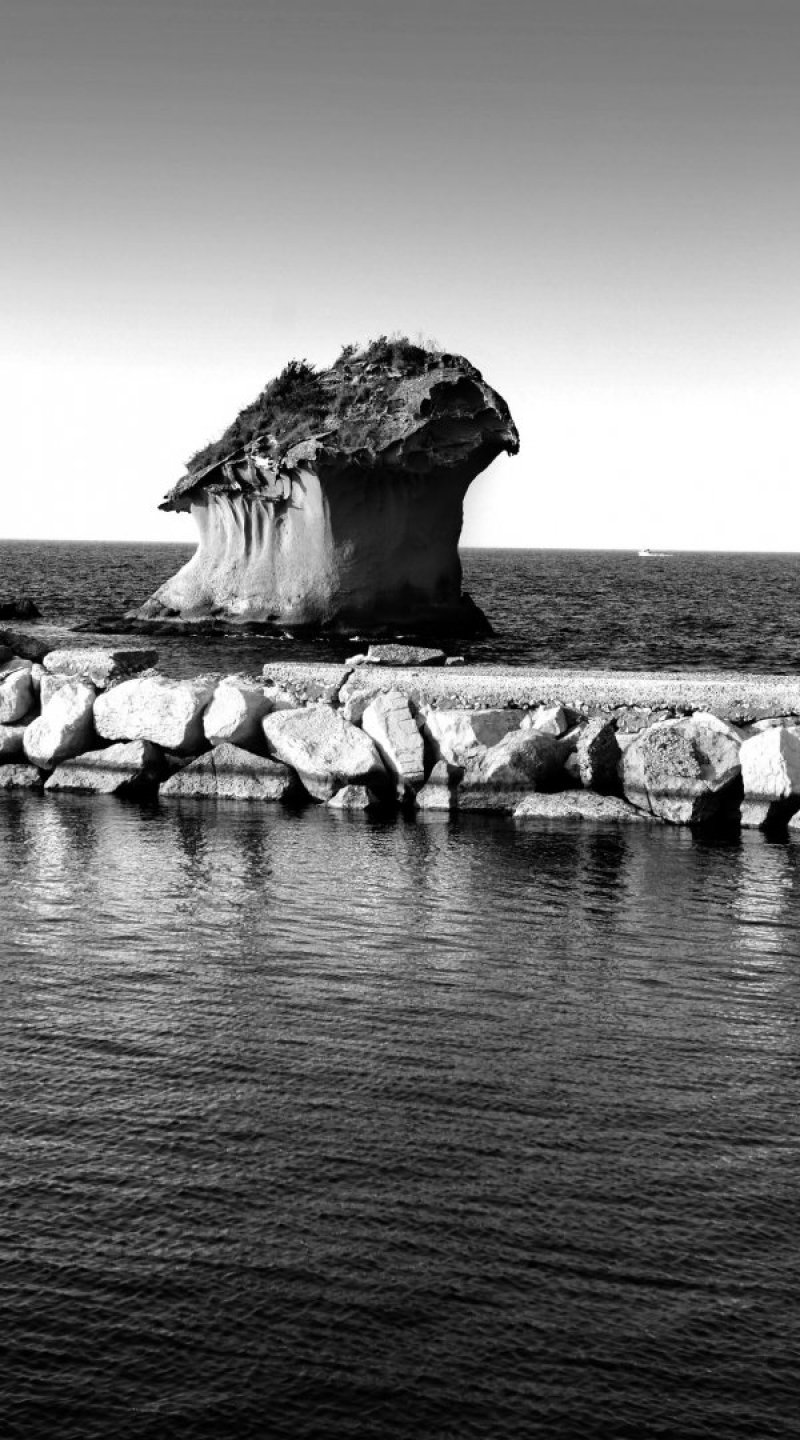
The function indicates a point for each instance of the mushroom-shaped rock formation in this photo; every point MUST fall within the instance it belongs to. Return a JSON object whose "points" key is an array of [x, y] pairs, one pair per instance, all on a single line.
{"points": [[335, 500]]}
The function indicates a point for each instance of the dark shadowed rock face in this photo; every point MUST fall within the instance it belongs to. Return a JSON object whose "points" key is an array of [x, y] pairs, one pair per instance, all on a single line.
{"points": [[336, 499], [21, 608]]}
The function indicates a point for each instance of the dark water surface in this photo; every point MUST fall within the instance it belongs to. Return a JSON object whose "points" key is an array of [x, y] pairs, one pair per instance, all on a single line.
{"points": [[569, 607], [317, 1126]]}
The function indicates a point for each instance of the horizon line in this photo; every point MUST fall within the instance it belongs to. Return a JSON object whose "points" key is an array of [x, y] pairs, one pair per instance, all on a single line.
{"points": [[541, 549]]}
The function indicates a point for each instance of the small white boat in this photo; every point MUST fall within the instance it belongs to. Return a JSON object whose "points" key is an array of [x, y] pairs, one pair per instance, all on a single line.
{"points": [[653, 552]]}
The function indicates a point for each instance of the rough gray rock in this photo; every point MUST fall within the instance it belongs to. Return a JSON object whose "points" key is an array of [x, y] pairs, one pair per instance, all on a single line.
{"points": [[11, 746], [20, 777], [100, 667], [599, 755], [548, 720], [235, 713], [31, 644], [49, 685], [499, 778], [354, 797], [21, 607], [789, 722], [230, 773], [356, 702], [151, 707], [64, 728], [572, 770], [439, 790], [685, 771], [771, 777], [325, 750], [131, 769], [458, 736], [306, 685], [388, 721], [578, 805], [405, 655], [16, 696], [16, 662]]}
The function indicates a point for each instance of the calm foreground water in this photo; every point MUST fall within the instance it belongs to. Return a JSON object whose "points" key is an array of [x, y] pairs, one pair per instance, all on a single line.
{"points": [[315, 1126], [318, 1127]]}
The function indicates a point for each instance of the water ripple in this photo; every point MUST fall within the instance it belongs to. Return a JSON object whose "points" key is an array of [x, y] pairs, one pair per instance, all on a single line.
{"points": [[444, 1130]]}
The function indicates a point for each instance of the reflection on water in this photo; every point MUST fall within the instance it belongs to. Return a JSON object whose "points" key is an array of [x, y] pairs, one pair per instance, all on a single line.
{"points": [[314, 1125]]}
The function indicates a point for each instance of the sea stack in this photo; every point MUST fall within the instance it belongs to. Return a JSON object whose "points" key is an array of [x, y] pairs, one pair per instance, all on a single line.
{"points": [[335, 500]]}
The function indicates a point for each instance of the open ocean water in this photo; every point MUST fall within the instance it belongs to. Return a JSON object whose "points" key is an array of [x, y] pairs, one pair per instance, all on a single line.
{"points": [[321, 1127], [548, 607]]}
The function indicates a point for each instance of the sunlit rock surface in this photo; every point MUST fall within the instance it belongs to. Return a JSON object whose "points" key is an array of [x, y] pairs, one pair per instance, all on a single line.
{"points": [[336, 499], [235, 713], [389, 722], [152, 707], [64, 728], [684, 770], [326, 751], [16, 696], [770, 777]]}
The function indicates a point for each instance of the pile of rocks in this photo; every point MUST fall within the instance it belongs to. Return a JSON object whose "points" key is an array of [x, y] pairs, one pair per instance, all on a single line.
{"points": [[359, 736]]}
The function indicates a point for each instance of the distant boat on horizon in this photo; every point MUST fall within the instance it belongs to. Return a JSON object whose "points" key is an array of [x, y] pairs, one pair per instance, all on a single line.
{"points": [[653, 552]]}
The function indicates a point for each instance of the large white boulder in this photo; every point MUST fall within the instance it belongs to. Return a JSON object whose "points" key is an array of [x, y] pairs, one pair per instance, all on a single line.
{"points": [[684, 771], [458, 736], [99, 666], [235, 713], [131, 768], [16, 695], [770, 777], [325, 750], [152, 707], [388, 721], [64, 728], [229, 773], [500, 777]]}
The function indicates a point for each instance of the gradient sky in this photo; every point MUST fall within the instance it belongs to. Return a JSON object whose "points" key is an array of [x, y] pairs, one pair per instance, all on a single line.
{"points": [[596, 201]]}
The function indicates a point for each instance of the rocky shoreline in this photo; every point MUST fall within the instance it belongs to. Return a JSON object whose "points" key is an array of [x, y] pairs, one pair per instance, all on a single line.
{"points": [[403, 729]]}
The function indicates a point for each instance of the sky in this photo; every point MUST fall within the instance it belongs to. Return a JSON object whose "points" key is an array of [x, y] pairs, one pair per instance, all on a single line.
{"points": [[596, 201]]}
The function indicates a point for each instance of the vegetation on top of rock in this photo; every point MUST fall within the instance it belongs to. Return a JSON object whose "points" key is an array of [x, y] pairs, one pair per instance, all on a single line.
{"points": [[303, 402]]}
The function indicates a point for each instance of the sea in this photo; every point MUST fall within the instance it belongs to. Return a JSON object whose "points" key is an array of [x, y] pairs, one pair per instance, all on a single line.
{"points": [[320, 1126]]}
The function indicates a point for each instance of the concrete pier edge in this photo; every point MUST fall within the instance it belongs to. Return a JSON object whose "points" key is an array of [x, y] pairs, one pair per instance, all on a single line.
{"points": [[731, 694]]}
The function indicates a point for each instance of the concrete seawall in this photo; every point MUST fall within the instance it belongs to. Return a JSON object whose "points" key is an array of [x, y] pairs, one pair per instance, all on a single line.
{"points": [[689, 747], [735, 696]]}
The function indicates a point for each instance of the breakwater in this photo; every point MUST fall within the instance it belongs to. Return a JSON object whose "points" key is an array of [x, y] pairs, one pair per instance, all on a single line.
{"points": [[380, 730]]}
